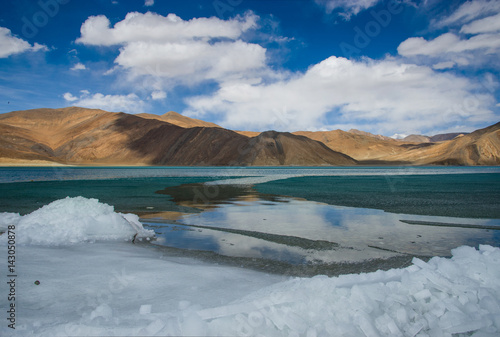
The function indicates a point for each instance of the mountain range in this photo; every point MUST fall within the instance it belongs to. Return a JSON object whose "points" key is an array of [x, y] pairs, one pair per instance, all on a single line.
{"points": [[80, 136]]}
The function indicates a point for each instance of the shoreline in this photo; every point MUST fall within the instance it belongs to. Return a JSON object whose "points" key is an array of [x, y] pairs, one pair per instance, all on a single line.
{"points": [[281, 268], [12, 163]]}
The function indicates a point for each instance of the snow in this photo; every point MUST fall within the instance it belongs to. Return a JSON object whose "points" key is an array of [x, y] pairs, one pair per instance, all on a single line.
{"points": [[72, 220], [93, 287]]}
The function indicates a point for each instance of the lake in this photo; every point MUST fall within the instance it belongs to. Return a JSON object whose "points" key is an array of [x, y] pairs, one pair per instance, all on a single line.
{"points": [[286, 220]]}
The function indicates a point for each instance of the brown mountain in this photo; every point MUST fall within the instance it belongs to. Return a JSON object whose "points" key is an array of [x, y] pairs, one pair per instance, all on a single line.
{"points": [[283, 148], [433, 139], [447, 136], [364, 133], [179, 120], [417, 139], [481, 147], [88, 136], [357, 145]]}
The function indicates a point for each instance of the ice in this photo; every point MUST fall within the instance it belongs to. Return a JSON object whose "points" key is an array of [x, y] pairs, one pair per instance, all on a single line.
{"points": [[72, 220], [93, 285], [252, 180], [145, 309], [8, 219]]}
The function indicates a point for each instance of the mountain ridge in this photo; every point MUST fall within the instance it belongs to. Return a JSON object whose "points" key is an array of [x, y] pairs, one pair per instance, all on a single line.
{"points": [[80, 136]]}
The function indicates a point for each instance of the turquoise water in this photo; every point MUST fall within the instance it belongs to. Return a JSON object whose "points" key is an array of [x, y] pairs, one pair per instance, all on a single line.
{"points": [[285, 218]]}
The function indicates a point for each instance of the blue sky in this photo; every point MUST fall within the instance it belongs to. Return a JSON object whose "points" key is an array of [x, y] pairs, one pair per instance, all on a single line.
{"points": [[387, 67]]}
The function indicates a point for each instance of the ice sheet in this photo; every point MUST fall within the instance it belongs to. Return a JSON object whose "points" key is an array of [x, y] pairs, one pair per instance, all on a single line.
{"points": [[122, 289]]}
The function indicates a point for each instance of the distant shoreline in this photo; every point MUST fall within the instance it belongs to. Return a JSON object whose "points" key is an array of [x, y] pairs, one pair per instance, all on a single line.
{"points": [[7, 162]]}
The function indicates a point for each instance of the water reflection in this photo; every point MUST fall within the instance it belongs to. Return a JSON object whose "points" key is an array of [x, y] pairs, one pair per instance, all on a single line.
{"points": [[238, 221], [206, 196]]}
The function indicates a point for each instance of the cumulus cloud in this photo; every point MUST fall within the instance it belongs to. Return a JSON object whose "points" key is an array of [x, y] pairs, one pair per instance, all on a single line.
{"points": [[473, 38], [152, 27], [185, 51], [117, 103], [69, 97], [79, 66], [449, 43], [444, 65], [192, 61], [158, 94], [337, 92], [10, 45], [149, 3], [346, 8]]}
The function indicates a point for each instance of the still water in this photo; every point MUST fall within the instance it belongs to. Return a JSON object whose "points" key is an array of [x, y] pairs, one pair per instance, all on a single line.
{"points": [[301, 221]]}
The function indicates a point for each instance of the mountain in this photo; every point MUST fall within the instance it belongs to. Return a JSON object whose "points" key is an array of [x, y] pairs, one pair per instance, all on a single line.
{"points": [[447, 136], [359, 146], [364, 133], [37, 134], [96, 137], [88, 136], [283, 148], [434, 139], [417, 139], [179, 120], [481, 147]]}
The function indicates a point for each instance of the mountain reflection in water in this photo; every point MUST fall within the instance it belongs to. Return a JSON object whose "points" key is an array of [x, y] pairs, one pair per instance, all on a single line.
{"points": [[236, 224]]}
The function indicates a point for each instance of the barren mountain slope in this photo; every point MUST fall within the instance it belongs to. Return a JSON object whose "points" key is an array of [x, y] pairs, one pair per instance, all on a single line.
{"points": [[84, 136], [481, 147], [283, 148], [356, 145], [179, 120]]}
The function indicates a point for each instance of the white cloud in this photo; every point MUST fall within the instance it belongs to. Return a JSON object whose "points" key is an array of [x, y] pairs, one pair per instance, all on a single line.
{"points": [[69, 97], [185, 51], [117, 103], [149, 3], [346, 8], [382, 96], [155, 95], [192, 61], [10, 45], [444, 65], [79, 66], [472, 40], [487, 25], [468, 11], [449, 43], [152, 27]]}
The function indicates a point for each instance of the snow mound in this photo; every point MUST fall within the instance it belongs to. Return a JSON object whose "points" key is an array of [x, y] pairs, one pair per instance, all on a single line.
{"points": [[157, 297], [444, 297], [73, 220]]}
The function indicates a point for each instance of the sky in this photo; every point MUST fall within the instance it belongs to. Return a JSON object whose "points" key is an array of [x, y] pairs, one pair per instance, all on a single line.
{"points": [[393, 67]]}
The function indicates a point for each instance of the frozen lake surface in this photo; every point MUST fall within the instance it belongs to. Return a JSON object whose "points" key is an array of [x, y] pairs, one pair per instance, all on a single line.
{"points": [[230, 246]]}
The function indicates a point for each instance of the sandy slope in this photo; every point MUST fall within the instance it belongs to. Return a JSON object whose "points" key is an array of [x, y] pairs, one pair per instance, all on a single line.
{"points": [[86, 136]]}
